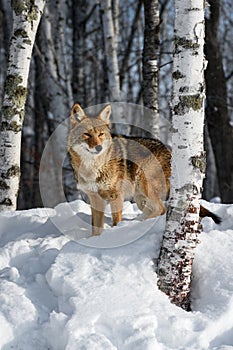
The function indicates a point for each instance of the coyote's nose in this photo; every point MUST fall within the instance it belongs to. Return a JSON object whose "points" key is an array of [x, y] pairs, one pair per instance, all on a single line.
{"points": [[98, 148]]}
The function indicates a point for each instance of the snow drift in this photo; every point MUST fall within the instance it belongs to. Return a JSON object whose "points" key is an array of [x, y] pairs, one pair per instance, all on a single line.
{"points": [[62, 289]]}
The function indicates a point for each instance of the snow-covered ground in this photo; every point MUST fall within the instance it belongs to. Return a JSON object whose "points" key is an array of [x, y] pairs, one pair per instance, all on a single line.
{"points": [[61, 289]]}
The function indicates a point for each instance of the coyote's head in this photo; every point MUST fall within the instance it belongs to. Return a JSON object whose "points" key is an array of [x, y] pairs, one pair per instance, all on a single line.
{"points": [[89, 136]]}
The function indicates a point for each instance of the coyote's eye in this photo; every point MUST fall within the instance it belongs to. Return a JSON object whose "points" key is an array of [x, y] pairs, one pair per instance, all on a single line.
{"points": [[86, 134], [101, 134]]}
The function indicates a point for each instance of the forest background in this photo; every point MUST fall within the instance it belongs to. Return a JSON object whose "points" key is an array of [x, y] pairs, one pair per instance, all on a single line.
{"points": [[70, 64]]}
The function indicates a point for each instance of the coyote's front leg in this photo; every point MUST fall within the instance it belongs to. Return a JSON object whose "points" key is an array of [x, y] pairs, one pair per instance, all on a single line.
{"points": [[115, 197], [116, 208], [97, 210]]}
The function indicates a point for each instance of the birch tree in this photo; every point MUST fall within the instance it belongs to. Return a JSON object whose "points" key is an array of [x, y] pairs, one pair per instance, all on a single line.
{"points": [[150, 64], [26, 17], [110, 44], [188, 161]]}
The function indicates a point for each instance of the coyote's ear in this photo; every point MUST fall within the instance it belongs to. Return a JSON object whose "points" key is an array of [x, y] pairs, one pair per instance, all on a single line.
{"points": [[105, 113], [77, 114]]}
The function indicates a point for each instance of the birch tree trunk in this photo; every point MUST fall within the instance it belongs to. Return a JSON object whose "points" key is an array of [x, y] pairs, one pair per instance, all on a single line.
{"points": [[110, 45], [188, 162], [110, 51], [150, 64], [115, 15], [26, 17]]}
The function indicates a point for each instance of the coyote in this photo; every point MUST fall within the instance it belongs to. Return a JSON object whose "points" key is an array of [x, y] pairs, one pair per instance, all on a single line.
{"points": [[112, 169]]}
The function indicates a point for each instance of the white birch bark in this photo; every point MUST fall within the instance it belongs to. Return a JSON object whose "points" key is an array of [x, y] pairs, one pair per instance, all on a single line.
{"points": [[150, 65], [110, 51], [188, 162], [110, 43], [115, 15], [26, 17]]}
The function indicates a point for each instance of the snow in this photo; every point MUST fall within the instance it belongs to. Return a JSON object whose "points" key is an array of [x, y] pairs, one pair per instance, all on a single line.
{"points": [[60, 288]]}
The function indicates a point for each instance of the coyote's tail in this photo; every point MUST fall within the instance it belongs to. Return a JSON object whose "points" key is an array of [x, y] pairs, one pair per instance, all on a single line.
{"points": [[205, 212]]}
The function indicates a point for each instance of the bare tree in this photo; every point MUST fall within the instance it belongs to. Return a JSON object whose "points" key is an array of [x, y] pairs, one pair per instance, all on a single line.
{"points": [[218, 121], [150, 64], [110, 51], [115, 15], [79, 51], [5, 25], [188, 161], [56, 87], [26, 17], [130, 41]]}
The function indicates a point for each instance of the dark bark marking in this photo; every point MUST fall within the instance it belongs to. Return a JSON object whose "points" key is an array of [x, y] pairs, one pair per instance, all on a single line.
{"points": [[177, 75], [185, 44], [3, 185], [21, 33], [7, 202], [15, 90], [14, 170], [28, 7], [13, 126], [199, 162], [187, 102]]}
